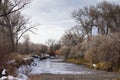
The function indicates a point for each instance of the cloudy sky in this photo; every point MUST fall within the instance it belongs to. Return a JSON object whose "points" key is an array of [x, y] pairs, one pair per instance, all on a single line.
{"points": [[54, 16]]}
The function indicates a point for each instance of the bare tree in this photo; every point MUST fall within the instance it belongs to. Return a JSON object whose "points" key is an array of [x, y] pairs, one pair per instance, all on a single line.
{"points": [[84, 20], [109, 19], [10, 6], [26, 44], [15, 25], [73, 36], [52, 46], [43, 48], [105, 16], [12, 24]]}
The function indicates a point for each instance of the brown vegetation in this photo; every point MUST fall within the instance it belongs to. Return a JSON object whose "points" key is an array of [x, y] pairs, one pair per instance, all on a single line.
{"points": [[78, 44], [106, 49], [12, 27], [102, 49]]}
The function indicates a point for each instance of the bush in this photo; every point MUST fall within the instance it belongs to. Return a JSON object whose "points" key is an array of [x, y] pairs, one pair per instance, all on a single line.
{"points": [[4, 53], [20, 59], [65, 51], [91, 55], [104, 49], [76, 52], [105, 66]]}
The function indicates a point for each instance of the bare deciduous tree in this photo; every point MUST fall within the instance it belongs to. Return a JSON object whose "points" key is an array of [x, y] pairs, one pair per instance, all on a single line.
{"points": [[52, 46], [12, 24], [10, 6], [73, 36], [105, 16], [15, 25], [26, 44]]}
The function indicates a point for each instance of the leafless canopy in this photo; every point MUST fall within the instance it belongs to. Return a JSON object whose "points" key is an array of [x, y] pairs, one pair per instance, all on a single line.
{"points": [[10, 6]]}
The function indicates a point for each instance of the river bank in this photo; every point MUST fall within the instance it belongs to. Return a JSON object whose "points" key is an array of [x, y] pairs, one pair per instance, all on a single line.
{"points": [[55, 69], [97, 76]]}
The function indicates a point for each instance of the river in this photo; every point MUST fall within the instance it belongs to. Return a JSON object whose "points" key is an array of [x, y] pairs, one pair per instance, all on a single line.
{"points": [[53, 69], [57, 66]]}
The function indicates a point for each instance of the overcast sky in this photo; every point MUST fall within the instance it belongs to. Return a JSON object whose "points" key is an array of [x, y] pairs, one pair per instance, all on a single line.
{"points": [[54, 16]]}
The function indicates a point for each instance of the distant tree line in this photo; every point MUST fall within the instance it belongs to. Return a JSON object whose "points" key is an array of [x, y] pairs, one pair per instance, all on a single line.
{"points": [[30, 48]]}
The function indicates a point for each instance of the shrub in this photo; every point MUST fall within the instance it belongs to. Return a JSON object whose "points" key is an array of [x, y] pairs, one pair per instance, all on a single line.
{"points": [[65, 51], [16, 60], [104, 49], [91, 55], [105, 66], [76, 52]]}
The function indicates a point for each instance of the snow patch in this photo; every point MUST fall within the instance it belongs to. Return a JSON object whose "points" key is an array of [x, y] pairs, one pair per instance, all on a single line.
{"points": [[11, 62], [20, 77], [3, 78], [27, 58], [25, 69], [4, 72]]}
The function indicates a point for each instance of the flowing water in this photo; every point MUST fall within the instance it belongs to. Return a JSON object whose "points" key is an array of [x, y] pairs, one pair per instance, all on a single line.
{"points": [[56, 66]]}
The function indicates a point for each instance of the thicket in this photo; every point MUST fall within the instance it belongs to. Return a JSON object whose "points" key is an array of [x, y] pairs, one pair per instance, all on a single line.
{"points": [[102, 48]]}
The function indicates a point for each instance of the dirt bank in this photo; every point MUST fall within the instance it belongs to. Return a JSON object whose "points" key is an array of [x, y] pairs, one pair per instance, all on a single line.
{"points": [[97, 76]]}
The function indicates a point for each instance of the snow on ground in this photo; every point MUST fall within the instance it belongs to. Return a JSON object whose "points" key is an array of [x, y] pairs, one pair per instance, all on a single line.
{"points": [[19, 77], [24, 69], [4, 72], [22, 74]]}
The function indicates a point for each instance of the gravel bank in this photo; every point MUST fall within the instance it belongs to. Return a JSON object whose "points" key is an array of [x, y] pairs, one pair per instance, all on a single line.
{"points": [[97, 76]]}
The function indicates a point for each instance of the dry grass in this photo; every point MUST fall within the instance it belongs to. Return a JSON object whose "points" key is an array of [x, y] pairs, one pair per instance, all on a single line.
{"points": [[19, 60], [18, 56], [77, 61]]}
